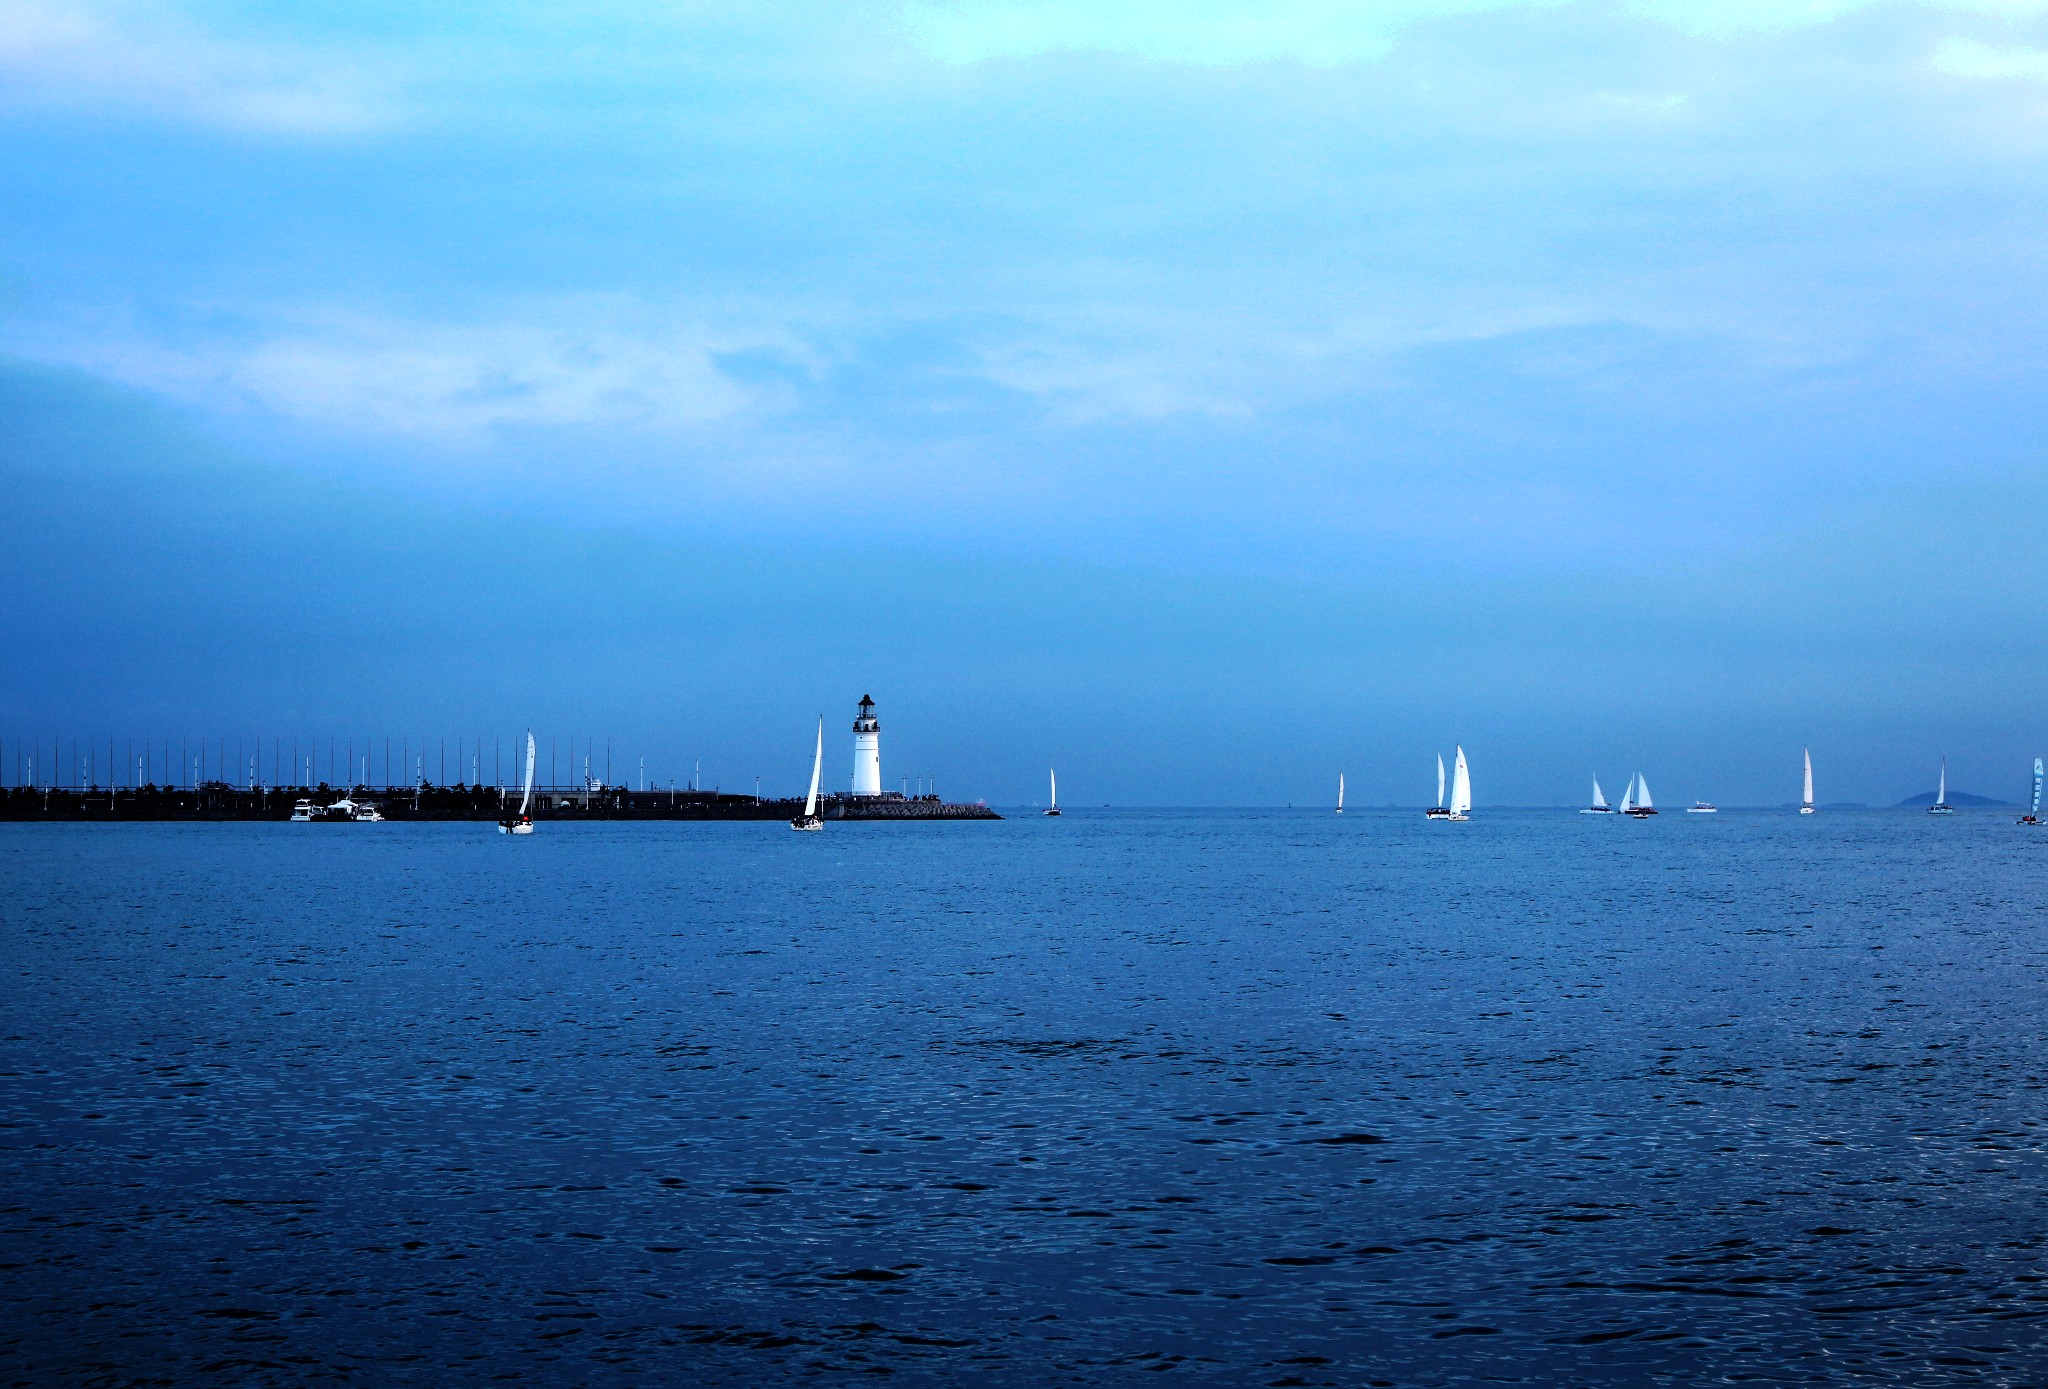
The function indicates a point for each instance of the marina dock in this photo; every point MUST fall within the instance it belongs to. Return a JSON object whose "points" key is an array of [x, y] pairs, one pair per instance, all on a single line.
{"points": [[219, 801]]}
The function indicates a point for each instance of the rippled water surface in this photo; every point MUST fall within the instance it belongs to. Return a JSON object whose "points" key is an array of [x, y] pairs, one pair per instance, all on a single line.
{"points": [[1236, 1097]]}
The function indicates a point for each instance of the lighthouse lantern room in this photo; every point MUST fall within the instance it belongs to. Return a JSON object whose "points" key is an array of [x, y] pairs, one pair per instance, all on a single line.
{"points": [[867, 751]]}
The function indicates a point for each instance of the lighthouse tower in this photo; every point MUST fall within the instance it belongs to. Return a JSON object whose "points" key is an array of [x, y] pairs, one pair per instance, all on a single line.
{"points": [[867, 751]]}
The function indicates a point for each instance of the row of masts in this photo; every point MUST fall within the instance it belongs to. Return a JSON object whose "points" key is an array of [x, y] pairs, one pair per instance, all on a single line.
{"points": [[246, 764]]}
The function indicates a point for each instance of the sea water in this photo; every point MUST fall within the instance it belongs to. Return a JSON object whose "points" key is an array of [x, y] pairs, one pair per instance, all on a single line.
{"points": [[1279, 1098]]}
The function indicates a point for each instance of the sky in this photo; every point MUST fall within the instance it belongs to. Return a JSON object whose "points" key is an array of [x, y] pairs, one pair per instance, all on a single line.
{"points": [[1201, 397]]}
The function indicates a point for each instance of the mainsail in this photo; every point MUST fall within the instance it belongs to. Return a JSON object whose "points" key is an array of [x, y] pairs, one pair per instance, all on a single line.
{"points": [[526, 796], [1599, 801], [1439, 779], [1340, 793], [1806, 795], [817, 766], [2036, 811], [1941, 787], [1643, 801], [1628, 796], [1461, 787]]}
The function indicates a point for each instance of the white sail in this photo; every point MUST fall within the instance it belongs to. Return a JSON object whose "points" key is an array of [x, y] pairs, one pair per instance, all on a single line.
{"points": [[817, 767], [526, 795], [1599, 801], [1055, 779], [1806, 794], [2036, 811], [1461, 787], [1439, 779], [1628, 796], [1340, 793], [1643, 801], [1941, 787]]}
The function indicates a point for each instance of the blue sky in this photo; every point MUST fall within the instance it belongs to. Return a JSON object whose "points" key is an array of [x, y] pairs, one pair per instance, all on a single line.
{"points": [[1202, 396]]}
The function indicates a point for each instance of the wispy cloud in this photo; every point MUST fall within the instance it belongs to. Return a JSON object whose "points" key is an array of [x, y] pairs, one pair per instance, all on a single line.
{"points": [[1318, 33], [149, 58], [559, 364], [1985, 62]]}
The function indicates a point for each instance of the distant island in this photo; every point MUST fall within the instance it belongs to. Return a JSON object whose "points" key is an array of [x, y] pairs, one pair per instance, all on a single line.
{"points": [[1926, 798]]}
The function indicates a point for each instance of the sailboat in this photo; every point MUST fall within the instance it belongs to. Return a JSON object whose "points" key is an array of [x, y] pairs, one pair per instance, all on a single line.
{"points": [[1340, 793], [1054, 808], [1806, 795], [522, 823], [1628, 797], [1599, 805], [1461, 789], [2033, 815], [1438, 811], [1941, 805], [1643, 806], [810, 819]]}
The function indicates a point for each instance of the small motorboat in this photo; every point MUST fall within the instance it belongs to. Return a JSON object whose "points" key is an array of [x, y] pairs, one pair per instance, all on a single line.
{"points": [[1703, 808], [302, 812]]}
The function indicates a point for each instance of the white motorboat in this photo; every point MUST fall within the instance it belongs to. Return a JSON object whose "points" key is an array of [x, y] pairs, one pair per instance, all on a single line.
{"points": [[1439, 811], [1054, 807], [522, 823], [302, 812], [1806, 791], [810, 819], [1461, 789], [1599, 805], [1941, 805], [1703, 808]]}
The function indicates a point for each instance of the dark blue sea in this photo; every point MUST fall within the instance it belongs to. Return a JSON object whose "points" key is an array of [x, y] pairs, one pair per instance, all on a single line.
{"points": [[1219, 1098]]}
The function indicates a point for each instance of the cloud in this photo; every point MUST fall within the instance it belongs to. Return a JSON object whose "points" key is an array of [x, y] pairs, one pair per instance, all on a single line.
{"points": [[135, 56], [1985, 63], [1318, 33], [562, 364]]}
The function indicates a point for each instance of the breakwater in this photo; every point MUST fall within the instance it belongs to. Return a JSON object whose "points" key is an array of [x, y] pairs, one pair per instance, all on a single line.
{"points": [[221, 801]]}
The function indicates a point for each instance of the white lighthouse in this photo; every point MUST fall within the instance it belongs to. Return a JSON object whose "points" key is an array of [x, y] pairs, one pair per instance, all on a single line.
{"points": [[867, 751]]}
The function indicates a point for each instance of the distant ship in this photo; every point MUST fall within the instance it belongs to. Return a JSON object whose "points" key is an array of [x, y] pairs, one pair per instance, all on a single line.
{"points": [[1703, 808], [2033, 815], [1941, 805], [1054, 808], [1439, 811], [1599, 805], [522, 823], [810, 819], [1806, 794], [1636, 799]]}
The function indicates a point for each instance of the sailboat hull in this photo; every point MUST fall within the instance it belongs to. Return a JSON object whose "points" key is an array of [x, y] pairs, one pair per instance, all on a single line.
{"points": [[1437, 812], [1806, 810], [1941, 810], [515, 827], [1598, 810], [807, 822]]}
